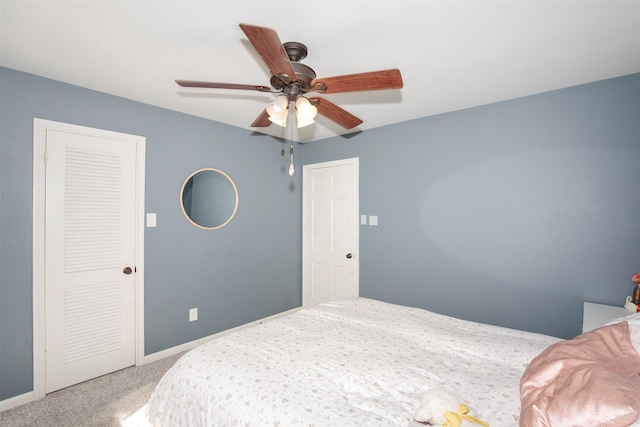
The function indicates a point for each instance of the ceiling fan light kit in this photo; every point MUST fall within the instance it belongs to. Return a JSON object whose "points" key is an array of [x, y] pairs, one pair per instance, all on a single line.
{"points": [[278, 110]]}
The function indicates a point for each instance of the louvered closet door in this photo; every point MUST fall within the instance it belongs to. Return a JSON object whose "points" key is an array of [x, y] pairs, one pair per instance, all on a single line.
{"points": [[90, 226]]}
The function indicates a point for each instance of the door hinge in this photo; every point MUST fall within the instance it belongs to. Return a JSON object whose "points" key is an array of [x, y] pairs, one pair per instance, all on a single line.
{"points": [[46, 357], [46, 157]]}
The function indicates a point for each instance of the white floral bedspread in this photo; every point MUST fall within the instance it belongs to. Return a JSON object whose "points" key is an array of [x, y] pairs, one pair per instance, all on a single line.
{"points": [[356, 362]]}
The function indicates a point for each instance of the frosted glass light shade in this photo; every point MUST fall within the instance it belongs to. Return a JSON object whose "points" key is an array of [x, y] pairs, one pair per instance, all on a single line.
{"points": [[280, 122], [304, 110], [278, 111], [302, 123]]}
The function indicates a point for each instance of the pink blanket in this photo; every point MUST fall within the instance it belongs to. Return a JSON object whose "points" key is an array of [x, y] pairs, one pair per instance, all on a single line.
{"points": [[591, 380]]}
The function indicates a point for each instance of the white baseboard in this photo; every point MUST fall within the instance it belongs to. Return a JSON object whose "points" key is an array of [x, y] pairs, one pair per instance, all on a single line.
{"points": [[22, 399], [189, 345], [12, 402]]}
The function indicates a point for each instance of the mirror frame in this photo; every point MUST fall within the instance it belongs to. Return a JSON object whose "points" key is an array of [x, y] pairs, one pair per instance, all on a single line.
{"points": [[181, 194]]}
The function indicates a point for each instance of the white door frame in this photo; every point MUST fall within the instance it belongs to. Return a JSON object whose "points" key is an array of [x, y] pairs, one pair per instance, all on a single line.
{"points": [[355, 161], [40, 128]]}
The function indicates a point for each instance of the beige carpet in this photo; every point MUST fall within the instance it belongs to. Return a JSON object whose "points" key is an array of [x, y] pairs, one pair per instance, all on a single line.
{"points": [[110, 400]]}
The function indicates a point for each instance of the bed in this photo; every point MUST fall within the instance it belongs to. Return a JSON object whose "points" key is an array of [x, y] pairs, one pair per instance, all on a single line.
{"points": [[352, 362]]}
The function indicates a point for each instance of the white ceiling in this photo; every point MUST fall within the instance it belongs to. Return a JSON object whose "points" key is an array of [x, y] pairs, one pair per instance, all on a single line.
{"points": [[452, 54]]}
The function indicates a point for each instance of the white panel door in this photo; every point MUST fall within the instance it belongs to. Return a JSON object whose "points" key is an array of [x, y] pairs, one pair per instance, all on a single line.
{"points": [[89, 242], [330, 230]]}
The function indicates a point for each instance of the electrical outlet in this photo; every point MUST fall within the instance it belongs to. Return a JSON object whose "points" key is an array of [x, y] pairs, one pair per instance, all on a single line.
{"points": [[193, 314]]}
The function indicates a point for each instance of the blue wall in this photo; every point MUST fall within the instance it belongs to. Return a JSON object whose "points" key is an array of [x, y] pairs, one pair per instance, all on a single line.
{"points": [[513, 213], [245, 271]]}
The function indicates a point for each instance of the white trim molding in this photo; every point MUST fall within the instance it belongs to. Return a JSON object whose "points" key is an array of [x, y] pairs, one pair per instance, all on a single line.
{"points": [[14, 402], [30, 396], [188, 346]]}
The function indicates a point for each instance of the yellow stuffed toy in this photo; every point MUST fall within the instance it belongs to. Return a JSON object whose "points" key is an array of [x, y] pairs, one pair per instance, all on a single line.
{"points": [[439, 407]]}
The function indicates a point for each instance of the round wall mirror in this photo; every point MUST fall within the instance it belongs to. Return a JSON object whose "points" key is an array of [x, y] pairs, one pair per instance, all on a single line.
{"points": [[209, 198]]}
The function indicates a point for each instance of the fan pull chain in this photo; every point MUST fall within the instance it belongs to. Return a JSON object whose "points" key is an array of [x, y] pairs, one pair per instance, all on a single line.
{"points": [[291, 168], [283, 141]]}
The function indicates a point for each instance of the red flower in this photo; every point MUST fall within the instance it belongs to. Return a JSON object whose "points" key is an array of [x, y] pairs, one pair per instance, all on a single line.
{"points": [[635, 278]]}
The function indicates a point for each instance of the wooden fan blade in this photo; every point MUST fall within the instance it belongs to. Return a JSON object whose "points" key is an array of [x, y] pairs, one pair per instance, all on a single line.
{"points": [[334, 113], [373, 80], [268, 44], [212, 85], [262, 121]]}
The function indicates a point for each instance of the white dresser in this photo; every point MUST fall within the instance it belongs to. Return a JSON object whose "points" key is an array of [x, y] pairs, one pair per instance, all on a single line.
{"points": [[596, 315]]}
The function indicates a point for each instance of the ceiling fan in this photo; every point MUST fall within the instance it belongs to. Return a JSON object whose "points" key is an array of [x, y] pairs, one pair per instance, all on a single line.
{"points": [[292, 80]]}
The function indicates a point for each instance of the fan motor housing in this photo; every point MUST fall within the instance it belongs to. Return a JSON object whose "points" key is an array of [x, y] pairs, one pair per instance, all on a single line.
{"points": [[304, 75]]}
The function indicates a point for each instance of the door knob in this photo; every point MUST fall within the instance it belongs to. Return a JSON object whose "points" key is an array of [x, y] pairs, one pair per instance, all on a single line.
{"points": [[127, 270], [349, 255]]}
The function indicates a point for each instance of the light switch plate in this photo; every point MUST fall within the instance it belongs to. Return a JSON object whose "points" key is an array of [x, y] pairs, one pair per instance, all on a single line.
{"points": [[373, 219], [151, 220], [363, 220]]}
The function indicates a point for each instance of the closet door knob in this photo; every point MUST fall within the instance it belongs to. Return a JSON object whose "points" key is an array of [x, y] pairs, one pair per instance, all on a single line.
{"points": [[349, 255], [127, 270]]}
